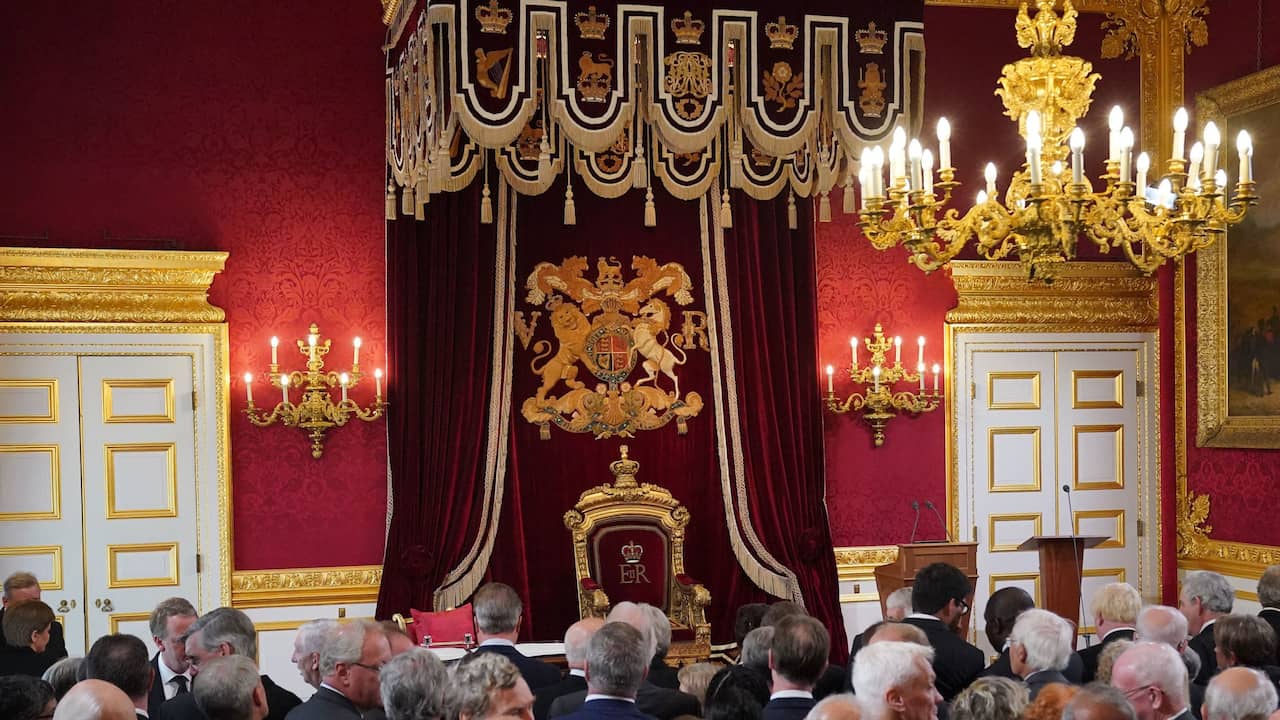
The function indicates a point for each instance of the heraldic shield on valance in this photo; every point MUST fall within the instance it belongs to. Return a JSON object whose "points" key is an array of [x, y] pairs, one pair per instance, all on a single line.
{"points": [[618, 96]]}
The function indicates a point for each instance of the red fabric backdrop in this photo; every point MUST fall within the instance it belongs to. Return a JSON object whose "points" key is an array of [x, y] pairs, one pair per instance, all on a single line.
{"points": [[242, 126]]}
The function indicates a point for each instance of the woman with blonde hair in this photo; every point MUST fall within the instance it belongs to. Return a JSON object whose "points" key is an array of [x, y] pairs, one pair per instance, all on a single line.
{"points": [[990, 698]]}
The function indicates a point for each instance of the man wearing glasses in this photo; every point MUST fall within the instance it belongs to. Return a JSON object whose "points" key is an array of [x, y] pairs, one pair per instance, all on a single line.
{"points": [[350, 660], [1154, 679], [938, 606]]}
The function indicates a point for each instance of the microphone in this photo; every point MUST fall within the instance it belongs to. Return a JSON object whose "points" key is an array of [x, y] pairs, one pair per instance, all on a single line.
{"points": [[929, 504], [915, 505], [1075, 555]]}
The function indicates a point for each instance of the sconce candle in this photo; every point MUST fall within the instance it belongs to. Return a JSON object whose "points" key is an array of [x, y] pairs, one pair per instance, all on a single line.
{"points": [[248, 386], [275, 343], [831, 371], [343, 379], [897, 350], [920, 357], [377, 382], [284, 387], [355, 361], [936, 368], [853, 349]]}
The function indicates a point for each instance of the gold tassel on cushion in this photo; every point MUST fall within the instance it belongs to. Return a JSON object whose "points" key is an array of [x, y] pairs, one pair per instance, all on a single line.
{"points": [[570, 210], [650, 213], [726, 213], [793, 216], [824, 207], [391, 201], [406, 200], [486, 206]]}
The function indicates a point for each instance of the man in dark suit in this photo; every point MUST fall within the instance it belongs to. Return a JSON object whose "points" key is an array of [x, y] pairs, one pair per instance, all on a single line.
{"points": [[1038, 649], [938, 602], [1115, 612], [616, 664], [230, 687], [661, 703], [488, 685], [22, 586], [218, 633], [122, 661], [1269, 596], [1002, 611], [1205, 597], [169, 623], [1153, 678], [576, 639], [498, 611], [797, 658], [350, 661]]}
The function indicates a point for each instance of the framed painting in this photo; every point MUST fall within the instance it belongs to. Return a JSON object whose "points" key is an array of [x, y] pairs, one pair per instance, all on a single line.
{"points": [[1238, 281]]}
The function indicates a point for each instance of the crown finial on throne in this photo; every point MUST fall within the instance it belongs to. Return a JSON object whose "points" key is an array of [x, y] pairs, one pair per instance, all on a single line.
{"points": [[624, 470]]}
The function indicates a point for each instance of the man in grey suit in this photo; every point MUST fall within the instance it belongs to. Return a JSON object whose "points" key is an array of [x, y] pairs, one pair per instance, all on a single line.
{"points": [[350, 661]]}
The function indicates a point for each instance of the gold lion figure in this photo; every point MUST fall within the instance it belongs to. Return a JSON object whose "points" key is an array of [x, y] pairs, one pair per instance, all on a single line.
{"points": [[571, 329]]}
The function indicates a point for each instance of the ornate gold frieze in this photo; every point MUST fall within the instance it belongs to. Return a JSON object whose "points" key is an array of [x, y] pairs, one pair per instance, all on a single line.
{"points": [[60, 285], [1103, 296], [1233, 558], [305, 586], [1192, 513], [859, 563]]}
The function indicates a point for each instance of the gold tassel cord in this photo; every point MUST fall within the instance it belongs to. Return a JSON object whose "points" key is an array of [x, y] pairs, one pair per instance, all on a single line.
{"points": [[570, 209], [406, 200], [824, 207], [486, 199], [848, 204], [650, 212], [726, 213], [391, 201], [793, 215]]}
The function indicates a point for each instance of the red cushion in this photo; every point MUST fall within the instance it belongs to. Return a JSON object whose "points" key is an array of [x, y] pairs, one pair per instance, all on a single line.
{"points": [[446, 626]]}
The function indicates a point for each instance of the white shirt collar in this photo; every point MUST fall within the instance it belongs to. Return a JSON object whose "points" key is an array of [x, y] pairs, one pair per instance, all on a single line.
{"points": [[334, 689], [1207, 623], [167, 676], [922, 616], [578, 672], [791, 694], [497, 641], [1269, 609], [1119, 629], [598, 696]]}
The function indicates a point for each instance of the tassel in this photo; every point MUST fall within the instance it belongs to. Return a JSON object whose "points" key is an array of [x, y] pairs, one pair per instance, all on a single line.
{"points": [[824, 207], [793, 216], [486, 206], [423, 189], [406, 200], [726, 213], [544, 160], [650, 213], [391, 201], [639, 171], [570, 210], [849, 205]]}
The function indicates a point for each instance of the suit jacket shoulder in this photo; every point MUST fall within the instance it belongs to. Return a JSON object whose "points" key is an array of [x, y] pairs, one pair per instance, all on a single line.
{"points": [[535, 672], [788, 708], [325, 704], [664, 703], [566, 704], [279, 700], [1203, 644], [155, 698], [611, 709], [955, 662], [544, 696]]}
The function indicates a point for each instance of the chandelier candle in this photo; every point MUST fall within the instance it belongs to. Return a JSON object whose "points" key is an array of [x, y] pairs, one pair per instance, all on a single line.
{"points": [[1179, 133]]}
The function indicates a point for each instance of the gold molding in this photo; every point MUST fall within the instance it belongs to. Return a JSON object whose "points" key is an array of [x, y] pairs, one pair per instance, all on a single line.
{"points": [[1032, 375], [110, 385], [1115, 514], [50, 386], [61, 285], [55, 482], [1237, 559], [114, 620], [1117, 381], [857, 565], [54, 551], [1034, 577], [305, 586], [1035, 484], [113, 566], [170, 510], [1084, 6], [1032, 517], [1117, 436], [1103, 296]]}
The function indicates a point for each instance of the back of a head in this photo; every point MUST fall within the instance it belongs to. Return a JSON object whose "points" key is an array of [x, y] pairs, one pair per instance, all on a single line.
{"points": [[836, 707], [23, 619], [616, 660], [344, 644], [1046, 638], [695, 678], [497, 608], [95, 700], [63, 674], [661, 625], [755, 648], [413, 686], [736, 679], [1212, 589], [1050, 702], [1162, 624], [638, 617], [747, 619], [1099, 701], [121, 660], [889, 631], [1149, 663], [227, 626], [1239, 693], [312, 634], [990, 698], [1113, 650], [884, 666], [473, 680], [577, 638], [23, 697], [224, 689], [1245, 640], [1269, 587], [899, 600], [936, 585], [1117, 602], [800, 648], [1002, 610], [733, 704], [779, 610]]}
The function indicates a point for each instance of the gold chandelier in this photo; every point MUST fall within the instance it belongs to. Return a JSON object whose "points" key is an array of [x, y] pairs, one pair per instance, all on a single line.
{"points": [[1047, 206]]}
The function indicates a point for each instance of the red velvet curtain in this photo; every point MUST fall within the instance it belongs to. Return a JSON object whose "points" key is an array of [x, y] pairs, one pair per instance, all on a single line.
{"points": [[440, 335]]}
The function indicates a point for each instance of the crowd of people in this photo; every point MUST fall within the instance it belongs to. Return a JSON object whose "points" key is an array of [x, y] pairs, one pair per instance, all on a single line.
{"points": [[1198, 660]]}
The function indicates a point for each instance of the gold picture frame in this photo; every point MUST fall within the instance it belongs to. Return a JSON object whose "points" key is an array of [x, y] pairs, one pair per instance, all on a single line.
{"points": [[1238, 277]]}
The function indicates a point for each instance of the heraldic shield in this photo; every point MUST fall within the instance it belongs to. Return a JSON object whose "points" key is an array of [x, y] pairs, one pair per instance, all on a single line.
{"points": [[628, 544]]}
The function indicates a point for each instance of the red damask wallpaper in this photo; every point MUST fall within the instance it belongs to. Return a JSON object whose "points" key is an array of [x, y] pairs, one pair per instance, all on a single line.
{"points": [[242, 126]]}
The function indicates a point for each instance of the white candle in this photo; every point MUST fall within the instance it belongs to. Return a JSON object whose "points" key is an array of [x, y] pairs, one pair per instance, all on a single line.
{"points": [[1220, 179], [898, 156], [877, 175], [944, 143], [920, 343], [1077, 156], [1115, 121], [1033, 158], [355, 361], [377, 382], [913, 152], [991, 179], [1126, 154], [1193, 172], [920, 372], [853, 350], [343, 379], [275, 343], [982, 197], [936, 368], [284, 387], [1245, 147], [311, 347], [1212, 139], [1179, 132], [1144, 163], [875, 377], [897, 351], [926, 166], [248, 386], [831, 388], [1164, 193]]}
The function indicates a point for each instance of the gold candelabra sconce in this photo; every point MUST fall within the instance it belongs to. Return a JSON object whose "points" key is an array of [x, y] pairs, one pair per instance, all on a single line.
{"points": [[880, 402], [316, 412]]}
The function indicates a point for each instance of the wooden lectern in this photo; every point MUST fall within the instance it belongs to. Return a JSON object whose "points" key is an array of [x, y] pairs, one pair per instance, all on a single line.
{"points": [[911, 558], [1061, 558]]}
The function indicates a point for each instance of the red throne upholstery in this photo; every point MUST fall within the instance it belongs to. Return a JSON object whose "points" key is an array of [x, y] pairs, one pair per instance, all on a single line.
{"points": [[628, 541], [448, 627]]}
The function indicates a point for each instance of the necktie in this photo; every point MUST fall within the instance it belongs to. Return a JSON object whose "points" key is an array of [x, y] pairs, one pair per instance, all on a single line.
{"points": [[181, 682]]}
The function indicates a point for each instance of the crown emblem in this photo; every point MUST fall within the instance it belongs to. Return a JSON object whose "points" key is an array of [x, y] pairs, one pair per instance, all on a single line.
{"points": [[493, 19], [871, 40], [624, 469], [780, 34], [631, 553], [591, 24], [688, 30]]}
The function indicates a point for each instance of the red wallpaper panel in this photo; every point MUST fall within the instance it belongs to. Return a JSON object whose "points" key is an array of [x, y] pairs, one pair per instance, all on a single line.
{"points": [[242, 126]]}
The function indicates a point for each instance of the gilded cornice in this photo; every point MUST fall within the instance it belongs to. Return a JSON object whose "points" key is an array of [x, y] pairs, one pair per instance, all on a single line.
{"points": [[1233, 558], [1084, 6], [305, 586], [859, 563], [1102, 296], [62, 285]]}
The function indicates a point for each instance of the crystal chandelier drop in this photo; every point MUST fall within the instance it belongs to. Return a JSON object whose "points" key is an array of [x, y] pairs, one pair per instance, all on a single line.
{"points": [[1049, 205]]}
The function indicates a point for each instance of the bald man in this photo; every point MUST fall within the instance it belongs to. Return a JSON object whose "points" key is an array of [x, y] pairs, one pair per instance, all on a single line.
{"points": [[95, 700], [1154, 679], [576, 640], [836, 707], [1239, 693]]}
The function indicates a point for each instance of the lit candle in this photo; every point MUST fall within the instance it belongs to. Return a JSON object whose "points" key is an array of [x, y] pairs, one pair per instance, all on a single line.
{"points": [[248, 386], [1193, 172], [877, 175], [1144, 163], [897, 350], [990, 174], [1077, 156], [311, 345], [875, 377], [920, 357], [275, 343], [913, 152], [343, 379], [853, 350], [377, 382], [1033, 158], [1164, 193], [1179, 132], [864, 175], [1220, 179], [920, 372], [982, 197], [1212, 139], [1056, 168], [1115, 121], [284, 387], [936, 368], [831, 388], [897, 156], [1245, 147], [926, 166], [1126, 154], [355, 361], [944, 143]]}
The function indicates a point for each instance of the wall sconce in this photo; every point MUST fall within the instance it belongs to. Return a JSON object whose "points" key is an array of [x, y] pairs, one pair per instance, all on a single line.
{"points": [[317, 412], [879, 401]]}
